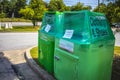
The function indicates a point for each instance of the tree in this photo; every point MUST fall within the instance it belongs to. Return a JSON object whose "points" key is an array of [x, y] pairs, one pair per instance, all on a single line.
{"points": [[116, 15], [3, 7], [79, 6], [11, 7], [110, 12], [102, 8], [15, 6], [57, 5], [117, 3], [117, 11], [87, 8], [27, 12], [11, 10], [19, 4], [34, 11], [2, 15], [39, 8]]}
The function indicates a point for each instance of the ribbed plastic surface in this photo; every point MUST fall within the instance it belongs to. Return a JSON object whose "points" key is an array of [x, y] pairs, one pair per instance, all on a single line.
{"points": [[84, 48], [46, 41]]}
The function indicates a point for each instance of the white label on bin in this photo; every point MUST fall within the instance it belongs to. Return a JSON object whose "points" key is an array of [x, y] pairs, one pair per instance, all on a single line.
{"points": [[68, 34], [66, 45], [47, 28]]}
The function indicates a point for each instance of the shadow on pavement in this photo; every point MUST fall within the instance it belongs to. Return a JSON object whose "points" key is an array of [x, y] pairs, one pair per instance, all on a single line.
{"points": [[6, 70], [10, 71], [116, 68], [21, 71]]}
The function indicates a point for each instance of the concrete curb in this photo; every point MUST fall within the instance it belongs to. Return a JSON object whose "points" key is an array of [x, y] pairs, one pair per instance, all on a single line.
{"points": [[41, 72]]}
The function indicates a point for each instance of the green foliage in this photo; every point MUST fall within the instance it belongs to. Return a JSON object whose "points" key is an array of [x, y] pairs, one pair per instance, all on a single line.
{"points": [[4, 5], [79, 6], [27, 12], [34, 11], [11, 7], [102, 8], [111, 10], [2, 15], [19, 4], [68, 8], [117, 14], [39, 8], [87, 8], [57, 5]]}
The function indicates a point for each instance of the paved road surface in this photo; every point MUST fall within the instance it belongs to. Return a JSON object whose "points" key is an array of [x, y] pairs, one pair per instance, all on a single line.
{"points": [[19, 23], [18, 65], [117, 41], [12, 41]]}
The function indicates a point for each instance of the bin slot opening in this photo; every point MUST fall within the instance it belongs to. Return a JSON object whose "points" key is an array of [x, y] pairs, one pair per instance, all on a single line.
{"points": [[65, 49], [66, 45]]}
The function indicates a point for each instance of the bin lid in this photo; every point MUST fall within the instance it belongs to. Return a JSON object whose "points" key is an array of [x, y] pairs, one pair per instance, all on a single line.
{"points": [[49, 23], [84, 26]]}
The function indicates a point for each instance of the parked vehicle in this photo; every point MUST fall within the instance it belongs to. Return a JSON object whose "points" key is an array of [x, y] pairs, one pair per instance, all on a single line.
{"points": [[115, 25]]}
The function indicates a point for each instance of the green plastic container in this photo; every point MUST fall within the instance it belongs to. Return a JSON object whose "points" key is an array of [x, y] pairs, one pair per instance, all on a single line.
{"points": [[84, 50], [46, 40]]}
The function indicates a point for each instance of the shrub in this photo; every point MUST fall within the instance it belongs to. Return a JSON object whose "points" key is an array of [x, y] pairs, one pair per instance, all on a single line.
{"points": [[2, 15]]}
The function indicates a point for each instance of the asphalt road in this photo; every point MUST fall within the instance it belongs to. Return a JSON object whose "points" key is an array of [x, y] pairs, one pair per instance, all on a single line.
{"points": [[19, 23], [117, 39], [13, 41]]}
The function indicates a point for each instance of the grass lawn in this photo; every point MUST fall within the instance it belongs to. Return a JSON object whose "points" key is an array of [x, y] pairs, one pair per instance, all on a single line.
{"points": [[34, 53], [21, 29], [117, 50]]}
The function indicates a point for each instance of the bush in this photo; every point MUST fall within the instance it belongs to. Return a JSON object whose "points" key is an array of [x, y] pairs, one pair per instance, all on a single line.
{"points": [[118, 30], [2, 15]]}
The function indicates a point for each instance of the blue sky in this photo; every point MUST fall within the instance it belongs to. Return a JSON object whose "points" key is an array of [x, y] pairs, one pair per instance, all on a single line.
{"points": [[92, 3]]}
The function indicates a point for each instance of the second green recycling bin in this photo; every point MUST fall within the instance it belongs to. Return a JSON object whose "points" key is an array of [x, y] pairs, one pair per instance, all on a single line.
{"points": [[46, 40], [84, 50]]}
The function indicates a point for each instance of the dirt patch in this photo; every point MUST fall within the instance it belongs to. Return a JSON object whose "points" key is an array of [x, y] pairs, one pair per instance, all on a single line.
{"points": [[116, 68]]}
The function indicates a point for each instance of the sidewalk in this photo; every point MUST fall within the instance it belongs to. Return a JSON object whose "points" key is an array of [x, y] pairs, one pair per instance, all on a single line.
{"points": [[6, 71], [13, 66]]}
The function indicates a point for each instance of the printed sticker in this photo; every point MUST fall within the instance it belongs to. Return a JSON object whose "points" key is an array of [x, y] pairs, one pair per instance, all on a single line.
{"points": [[68, 34], [48, 27]]}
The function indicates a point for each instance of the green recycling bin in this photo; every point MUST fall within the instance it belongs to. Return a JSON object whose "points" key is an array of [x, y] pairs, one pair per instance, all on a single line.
{"points": [[46, 40], [85, 49]]}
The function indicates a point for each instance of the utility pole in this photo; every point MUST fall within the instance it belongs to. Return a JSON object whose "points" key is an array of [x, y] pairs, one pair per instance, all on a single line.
{"points": [[98, 4]]}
